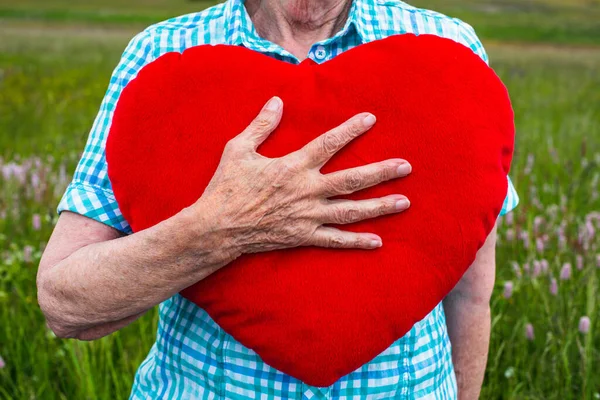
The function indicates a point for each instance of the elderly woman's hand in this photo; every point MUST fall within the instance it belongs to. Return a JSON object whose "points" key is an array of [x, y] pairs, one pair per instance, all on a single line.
{"points": [[262, 204]]}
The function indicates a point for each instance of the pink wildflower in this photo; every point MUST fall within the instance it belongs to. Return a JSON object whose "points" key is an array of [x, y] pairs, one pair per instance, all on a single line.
{"points": [[509, 218], [36, 222], [591, 231], [508, 289], [579, 263], [584, 324], [2, 363], [565, 272], [510, 234], [516, 269], [27, 254], [525, 239], [539, 244], [553, 287], [529, 334], [562, 242], [20, 172], [537, 269], [545, 266], [537, 223], [529, 165], [594, 215], [35, 180]]}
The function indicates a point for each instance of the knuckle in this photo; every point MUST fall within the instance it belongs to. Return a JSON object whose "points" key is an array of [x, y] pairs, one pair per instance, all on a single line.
{"points": [[354, 181], [231, 145], [351, 214], [353, 129], [337, 241], [296, 158], [385, 173], [263, 121], [330, 143], [384, 207], [345, 214], [359, 242], [286, 168], [291, 165]]}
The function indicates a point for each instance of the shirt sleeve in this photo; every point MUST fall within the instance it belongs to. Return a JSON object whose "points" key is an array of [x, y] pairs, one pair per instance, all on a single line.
{"points": [[90, 192], [466, 36]]}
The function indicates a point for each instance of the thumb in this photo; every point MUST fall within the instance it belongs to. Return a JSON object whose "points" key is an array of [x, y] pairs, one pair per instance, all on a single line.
{"points": [[265, 123]]}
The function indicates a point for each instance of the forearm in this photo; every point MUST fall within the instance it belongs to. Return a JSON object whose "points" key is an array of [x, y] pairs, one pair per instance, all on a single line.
{"points": [[467, 309], [468, 324], [113, 282], [99, 331]]}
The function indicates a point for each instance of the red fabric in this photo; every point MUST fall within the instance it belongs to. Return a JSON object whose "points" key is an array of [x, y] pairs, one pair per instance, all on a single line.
{"points": [[318, 314]]}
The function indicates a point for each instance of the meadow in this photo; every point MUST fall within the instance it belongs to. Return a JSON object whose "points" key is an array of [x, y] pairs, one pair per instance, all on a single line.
{"points": [[55, 61]]}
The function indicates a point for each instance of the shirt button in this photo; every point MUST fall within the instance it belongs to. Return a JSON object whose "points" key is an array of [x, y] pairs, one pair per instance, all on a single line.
{"points": [[320, 52]]}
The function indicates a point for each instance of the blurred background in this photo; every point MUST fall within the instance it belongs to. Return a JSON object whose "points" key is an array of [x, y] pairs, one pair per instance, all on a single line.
{"points": [[56, 57]]}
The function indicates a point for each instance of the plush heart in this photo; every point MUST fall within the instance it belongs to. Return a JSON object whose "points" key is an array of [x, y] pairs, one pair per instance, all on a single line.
{"points": [[314, 313]]}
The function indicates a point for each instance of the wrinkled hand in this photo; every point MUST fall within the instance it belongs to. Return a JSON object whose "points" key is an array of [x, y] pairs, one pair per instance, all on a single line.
{"points": [[266, 203]]}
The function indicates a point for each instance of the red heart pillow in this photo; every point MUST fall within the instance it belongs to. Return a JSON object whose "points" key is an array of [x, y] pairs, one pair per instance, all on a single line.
{"points": [[314, 313]]}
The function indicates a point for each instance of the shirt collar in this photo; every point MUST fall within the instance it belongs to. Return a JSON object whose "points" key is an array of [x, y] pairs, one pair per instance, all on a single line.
{"points": [[362, 20], [364, 17]]}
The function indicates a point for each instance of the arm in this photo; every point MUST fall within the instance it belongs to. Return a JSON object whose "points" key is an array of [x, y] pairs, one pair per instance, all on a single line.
{"points": [[468, 318], [92, 281]]}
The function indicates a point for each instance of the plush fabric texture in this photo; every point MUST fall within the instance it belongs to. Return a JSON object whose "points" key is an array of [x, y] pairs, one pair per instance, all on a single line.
{"points": [[301, 309]]}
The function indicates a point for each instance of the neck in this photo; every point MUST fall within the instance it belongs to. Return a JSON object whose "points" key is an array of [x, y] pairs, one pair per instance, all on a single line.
{"points": [[296, 25]]}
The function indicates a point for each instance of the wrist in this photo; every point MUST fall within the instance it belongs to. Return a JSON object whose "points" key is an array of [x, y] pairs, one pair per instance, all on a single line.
{"points": [[205, 233]]}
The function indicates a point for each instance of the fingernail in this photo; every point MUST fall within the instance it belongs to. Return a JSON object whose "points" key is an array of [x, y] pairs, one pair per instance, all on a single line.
{"points": [[404, 169], [402, 204], [369, 121], [273, 104], [375, 243]]}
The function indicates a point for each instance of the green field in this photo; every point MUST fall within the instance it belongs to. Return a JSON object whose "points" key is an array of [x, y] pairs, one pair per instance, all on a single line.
{"points": [[56, 57]]}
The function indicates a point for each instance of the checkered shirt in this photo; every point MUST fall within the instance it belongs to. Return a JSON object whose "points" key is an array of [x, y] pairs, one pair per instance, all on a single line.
{"points": [[193, 358]]}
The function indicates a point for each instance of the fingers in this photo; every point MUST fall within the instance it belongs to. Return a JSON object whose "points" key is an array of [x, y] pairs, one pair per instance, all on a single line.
{"points": [[355, 179], [265, 123], [326, 236], [317, 152], [348, 211]]}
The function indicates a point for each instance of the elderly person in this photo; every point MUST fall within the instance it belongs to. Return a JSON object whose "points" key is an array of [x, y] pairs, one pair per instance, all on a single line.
{"points": [[96, 277]]}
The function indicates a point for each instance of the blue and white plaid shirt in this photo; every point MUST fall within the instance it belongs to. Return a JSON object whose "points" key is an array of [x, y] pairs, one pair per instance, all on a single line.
{"points": [[193, 358]]}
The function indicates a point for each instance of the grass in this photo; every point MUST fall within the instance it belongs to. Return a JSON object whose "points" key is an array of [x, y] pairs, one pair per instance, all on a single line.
{"points": [[543, 21], [110, 12], [53, 77], [540, 21]]}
